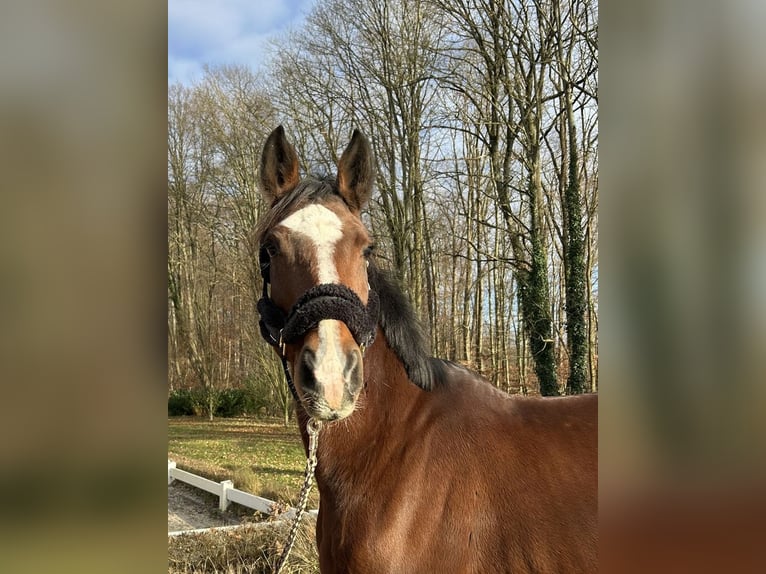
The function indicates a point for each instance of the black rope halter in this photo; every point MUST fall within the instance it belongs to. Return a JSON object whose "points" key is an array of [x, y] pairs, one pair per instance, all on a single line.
{"points": [[325, 301]]}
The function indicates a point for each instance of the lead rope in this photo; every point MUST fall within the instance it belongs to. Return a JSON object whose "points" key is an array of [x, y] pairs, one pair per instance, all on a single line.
{"points": [[312, 427]]}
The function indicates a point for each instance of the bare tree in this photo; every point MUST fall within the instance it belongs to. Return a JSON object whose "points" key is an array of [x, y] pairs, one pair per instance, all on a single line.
{"points": [[191, 282], [215, 133], [483, 119]]}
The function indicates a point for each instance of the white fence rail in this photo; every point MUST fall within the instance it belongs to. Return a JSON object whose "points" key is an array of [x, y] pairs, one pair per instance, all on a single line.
{"points": [[226, 492]]}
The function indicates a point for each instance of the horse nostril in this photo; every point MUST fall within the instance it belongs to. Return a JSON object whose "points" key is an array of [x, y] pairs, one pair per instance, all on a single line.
{"points": [[309, 357], [307, 364], [351, 370]]}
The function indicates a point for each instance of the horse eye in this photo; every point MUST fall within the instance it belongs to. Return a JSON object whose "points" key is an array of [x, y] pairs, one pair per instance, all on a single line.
{"points": [[271, 248], [368, 251]]}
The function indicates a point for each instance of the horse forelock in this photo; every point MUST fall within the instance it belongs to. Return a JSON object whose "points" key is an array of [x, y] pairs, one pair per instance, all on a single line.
{"points": [[310, 189]]}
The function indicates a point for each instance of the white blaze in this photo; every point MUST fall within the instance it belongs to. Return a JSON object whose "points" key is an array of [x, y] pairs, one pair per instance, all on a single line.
{"points": [[324, 228]]}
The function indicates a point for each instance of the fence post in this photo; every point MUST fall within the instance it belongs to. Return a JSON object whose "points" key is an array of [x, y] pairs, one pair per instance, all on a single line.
{"points": [[171, 467], [223, 502]]}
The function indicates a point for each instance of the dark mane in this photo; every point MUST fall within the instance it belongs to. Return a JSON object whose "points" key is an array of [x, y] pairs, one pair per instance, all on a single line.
{"points": [[404, 331]]}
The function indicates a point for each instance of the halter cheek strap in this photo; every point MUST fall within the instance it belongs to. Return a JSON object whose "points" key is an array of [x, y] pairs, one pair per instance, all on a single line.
{"points": [[326, 301]]}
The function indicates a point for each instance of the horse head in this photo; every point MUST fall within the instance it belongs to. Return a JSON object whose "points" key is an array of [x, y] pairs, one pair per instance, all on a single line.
{"points": [[320, 313]]}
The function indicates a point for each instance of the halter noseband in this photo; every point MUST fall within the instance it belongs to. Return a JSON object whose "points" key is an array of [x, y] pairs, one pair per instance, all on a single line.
{"points": [[325, 301]]}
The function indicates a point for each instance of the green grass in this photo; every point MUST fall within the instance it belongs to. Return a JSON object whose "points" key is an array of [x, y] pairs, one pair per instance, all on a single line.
{"points": [[260, 456]]}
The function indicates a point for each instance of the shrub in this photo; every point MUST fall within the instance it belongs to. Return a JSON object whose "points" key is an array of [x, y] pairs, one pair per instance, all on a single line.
{"points": [[184, 402], [254, 397], [258, 395], [231, 403]]}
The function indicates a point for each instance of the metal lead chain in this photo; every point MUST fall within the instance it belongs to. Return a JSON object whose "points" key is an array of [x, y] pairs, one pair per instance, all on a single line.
{"points": [[313, 427]]}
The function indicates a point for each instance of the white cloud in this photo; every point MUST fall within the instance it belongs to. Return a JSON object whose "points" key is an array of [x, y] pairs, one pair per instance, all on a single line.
{"points": [[184, 71], [224, 31]]}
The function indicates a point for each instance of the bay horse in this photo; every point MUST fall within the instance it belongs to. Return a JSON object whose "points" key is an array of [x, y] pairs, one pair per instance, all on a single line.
{"points": [[422, 465]]}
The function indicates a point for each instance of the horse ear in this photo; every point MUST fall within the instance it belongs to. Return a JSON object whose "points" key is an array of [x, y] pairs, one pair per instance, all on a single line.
{"points": [[356, 172], [279, 166]]}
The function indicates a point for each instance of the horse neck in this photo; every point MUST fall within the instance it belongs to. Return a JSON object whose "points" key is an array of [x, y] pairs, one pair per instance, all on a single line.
{"points": [[375, 426]]}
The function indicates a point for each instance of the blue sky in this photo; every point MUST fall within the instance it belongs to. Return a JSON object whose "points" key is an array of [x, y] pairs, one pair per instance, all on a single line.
{"points": [[225, 32]]}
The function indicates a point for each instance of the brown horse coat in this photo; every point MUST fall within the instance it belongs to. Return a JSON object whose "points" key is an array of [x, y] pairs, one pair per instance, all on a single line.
{"points": [[422, 466], [460, 479]]}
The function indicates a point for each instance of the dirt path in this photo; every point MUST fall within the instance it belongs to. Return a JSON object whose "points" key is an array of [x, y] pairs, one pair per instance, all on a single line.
{"points": [[190, 508]]}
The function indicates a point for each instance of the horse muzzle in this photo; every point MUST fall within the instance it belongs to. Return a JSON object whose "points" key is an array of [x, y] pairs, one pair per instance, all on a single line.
{"points": [[329, 372], [332, 327]]}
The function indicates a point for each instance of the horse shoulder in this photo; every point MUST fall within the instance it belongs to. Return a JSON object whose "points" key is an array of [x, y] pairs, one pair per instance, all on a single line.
{"points": [[524, 472]]}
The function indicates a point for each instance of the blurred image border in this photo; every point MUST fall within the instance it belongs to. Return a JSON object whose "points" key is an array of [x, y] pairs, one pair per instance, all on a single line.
{"points": [[682, 283]]}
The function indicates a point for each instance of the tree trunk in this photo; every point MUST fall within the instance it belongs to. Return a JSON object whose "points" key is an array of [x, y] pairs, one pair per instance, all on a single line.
{"points": [[575, 273]]}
